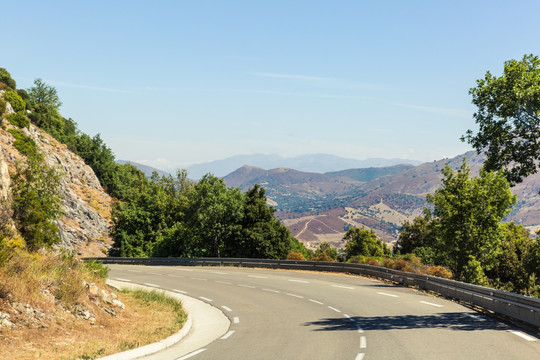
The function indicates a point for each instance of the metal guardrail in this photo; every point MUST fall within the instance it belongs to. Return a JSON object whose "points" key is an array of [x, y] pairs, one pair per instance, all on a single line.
{"points": [[516, 306]]}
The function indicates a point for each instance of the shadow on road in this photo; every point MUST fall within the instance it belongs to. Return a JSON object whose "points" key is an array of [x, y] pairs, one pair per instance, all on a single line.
{"points": [[452, 321]]}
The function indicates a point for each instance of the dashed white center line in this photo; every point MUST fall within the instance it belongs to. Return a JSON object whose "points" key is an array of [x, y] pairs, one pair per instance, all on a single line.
{"points": [[183, 269], [120, 279], [236, 320], [274, 291], [316, 302], [134, 271], [343, 287], [152, 285], [227, 335], [299, 281], [204, 298], [475, 317], [247, 286], [180, 291], [432, 304], [176, 276], [223, 282], [201, 279], [387, 294], [258, 276], [359, 328], [153, 273], [360, 356], [218, 272], [522, 335], [191, 354], [226, 308], [363, 342], [333, 308], [294, 295]]}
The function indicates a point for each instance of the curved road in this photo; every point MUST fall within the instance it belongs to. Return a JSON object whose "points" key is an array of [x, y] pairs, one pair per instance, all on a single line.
{"points": [[296, 315]]}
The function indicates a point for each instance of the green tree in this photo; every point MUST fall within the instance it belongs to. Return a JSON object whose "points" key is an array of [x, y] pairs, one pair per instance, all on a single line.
{"points": [[468, 212], [415, 234], [5, 77], [44, 94], [325, 252], [37, 201], [363, 242], [508, 118]]}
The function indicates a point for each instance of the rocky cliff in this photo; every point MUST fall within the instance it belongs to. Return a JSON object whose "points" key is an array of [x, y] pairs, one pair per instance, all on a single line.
{"points": [[85, 224]]}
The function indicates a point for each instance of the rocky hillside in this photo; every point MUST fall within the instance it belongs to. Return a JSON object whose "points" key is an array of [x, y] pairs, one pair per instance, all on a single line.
{"points": [[85, 224]]}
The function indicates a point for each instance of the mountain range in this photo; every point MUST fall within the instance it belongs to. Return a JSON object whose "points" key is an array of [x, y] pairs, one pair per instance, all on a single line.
{"points": [[316, 163]]}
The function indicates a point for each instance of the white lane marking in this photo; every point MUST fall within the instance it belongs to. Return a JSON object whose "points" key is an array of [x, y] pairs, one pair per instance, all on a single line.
{"points": [[236, 320], [223, 282], [152, 285], [258, 276], [135, 271], [226, 308], [299, 281], [153, 273], [176, 276], [120, 279], [201, 279], [204, 298], [180, 291], [432, 304], [191, 354], [183, 269], [247, 286], [522, 335], [333, 308], [218, 272], [274, 291], [343, 287], [294, 295], [227, 335], [386, 294], [475, 317], [363, 342], [316, 302], [360, 356], [360, 330], [347, 316]]}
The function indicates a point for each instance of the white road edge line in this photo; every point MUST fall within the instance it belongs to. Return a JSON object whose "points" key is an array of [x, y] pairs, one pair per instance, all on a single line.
{"points": [[294, 295], [363, 342], [120, 279], [386, 294], [522, 335], [343, 287], [226, 308], [236, 320], [152, 285], [316, 302], [299, 281], [180, 291], [197, 352], [227, 335], [333, 308], [204, 298], [432, 304], [218, 272], [183, 269], [360, 356]]}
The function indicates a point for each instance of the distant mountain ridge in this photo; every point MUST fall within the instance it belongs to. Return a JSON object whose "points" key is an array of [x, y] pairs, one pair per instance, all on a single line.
{"points": [[315, 163]]}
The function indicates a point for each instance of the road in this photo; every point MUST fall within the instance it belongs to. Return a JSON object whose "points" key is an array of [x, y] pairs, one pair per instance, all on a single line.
{"points": [[278, 314]]}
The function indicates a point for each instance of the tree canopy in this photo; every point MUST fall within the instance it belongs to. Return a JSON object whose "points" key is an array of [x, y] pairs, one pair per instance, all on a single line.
{"points": [[508, 117]]}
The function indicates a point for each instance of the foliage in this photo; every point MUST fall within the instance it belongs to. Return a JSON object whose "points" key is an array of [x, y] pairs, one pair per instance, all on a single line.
{"points": [[508, 117], [36, 202], [468, 212], [18, 119], [297, 246], [3, 106], [325, 252], [43, 94], [293, 255], [415, 234], [363, 242], [5, 77], [17, 103], [24, 144]]}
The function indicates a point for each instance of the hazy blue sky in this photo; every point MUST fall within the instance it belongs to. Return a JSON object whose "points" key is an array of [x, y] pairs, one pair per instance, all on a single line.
{"points": [[171, 83]]}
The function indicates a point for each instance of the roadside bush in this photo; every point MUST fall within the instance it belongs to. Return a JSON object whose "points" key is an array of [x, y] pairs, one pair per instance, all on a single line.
{"points": [[5, 77], [3, 106], [403, 265], [372, 261], [17, 103], [97, 269], [24, 144], [439, 271], [388, 263], [18, 119], [293, 255], [322, 257]]}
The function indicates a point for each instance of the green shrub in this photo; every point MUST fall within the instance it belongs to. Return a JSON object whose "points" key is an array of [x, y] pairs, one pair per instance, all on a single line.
{"points": [[5, 77], [24, 144], [439, 271], [97, 269], [3, 105], [17, 103], [18, 119]]}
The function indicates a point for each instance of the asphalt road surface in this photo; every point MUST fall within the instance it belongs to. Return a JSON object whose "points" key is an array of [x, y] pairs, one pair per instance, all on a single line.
{"points": [[277, 314]]}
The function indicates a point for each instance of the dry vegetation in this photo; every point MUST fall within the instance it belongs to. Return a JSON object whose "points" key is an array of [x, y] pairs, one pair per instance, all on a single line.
{"points": [[56, 307]]}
